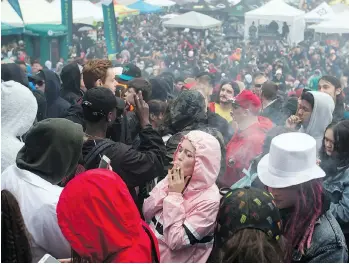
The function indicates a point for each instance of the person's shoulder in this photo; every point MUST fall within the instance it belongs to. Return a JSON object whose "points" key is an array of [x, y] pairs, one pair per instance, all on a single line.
{"points": [[327, 232]]}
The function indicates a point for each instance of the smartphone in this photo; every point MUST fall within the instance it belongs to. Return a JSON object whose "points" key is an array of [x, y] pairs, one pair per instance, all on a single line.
{"points": [[48, 259], [104, 163]]}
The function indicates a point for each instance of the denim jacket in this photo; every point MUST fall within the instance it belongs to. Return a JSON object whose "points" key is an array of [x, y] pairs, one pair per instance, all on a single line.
{"points": [[338, 191], [327, 245]]}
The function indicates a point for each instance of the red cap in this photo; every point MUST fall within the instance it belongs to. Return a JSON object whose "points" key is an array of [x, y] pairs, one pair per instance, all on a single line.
{"points": [[248, 100]]}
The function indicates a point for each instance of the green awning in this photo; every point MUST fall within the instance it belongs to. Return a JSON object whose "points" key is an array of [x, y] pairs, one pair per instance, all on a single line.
{"points": [[49, 30], [7, 29]]}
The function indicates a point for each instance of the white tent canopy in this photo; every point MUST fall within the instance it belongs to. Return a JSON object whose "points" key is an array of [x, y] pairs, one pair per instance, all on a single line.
{"points": [[320, 13], [193, 20], [39, 12], [338, 24], [162, 3], [9, 15], [279, 11], [84, 12]]}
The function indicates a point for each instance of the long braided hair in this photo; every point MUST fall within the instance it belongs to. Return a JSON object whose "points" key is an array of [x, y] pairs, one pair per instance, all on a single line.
{"points": [[15, 245], [299, 227]]}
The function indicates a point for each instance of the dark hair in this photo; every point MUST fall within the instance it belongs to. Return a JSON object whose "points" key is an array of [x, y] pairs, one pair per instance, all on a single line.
{"points": [[15, 245], [35, 62], [247, 246], [332, 80], [234, 85], [269, 90], [157, 107], [340, 156], [338, 112], [306, 96], [143, 85], [322, 152], [299, 225]]}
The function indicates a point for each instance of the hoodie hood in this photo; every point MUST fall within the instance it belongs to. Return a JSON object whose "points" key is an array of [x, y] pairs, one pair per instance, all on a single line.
{"points": [[207, 160], [188, 110], [18, 111], [71, 77], [102, 224], [18, 108], [52, 149], [320, 118], [13, 72], [52, 86]]}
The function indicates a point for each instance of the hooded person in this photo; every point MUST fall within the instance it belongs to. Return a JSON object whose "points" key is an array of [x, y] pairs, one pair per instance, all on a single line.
{"points": [[51, 151], [48, 82], [186, 113], [161, 90], [71, 80], [314, 114], [13, 72], [18, 112], [183, 207], [113, 230]]}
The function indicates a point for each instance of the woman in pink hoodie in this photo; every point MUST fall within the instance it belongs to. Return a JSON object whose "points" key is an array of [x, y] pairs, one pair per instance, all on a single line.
{"points": [[183, 207]]}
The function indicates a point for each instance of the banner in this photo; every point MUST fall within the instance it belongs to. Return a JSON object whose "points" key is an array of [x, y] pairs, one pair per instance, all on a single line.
{"points": [[67, 18], [110, 33], [15, 5]]}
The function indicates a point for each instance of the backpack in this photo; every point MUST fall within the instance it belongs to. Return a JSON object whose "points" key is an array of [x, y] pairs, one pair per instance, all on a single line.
{"points": [[90, 160]]}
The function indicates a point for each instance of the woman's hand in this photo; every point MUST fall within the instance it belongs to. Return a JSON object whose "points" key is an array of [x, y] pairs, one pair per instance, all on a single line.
{"points": [[176, 180], [293, 121]]}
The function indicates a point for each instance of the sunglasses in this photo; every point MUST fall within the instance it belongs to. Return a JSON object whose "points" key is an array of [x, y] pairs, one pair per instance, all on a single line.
{"points": [[39, 83]]}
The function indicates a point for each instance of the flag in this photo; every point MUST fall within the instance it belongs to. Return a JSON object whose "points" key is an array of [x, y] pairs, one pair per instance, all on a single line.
{"points": [[110, 33], [67, 18], [15, 5]]}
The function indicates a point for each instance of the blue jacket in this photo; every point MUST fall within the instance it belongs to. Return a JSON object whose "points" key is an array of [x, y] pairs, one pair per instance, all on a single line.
{"points": [[328, 243], [338, 192]]}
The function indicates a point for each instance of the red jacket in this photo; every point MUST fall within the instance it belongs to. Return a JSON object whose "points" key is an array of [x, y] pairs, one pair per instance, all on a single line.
{"points": [[242, 149], [100, 220]]}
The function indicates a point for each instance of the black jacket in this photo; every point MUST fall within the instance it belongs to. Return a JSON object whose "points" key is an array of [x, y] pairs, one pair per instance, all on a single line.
{"points": [[57, 107], [70, 77], [216, 121], [275, 112], [135, 167]]}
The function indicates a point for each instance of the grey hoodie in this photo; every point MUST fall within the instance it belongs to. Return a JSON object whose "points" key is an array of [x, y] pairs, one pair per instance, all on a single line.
{"points": [[320, 118], [18, 112]]}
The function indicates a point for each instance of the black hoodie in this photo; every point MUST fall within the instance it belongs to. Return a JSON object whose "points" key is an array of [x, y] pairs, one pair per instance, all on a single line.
{"points": [[57, 107], [70, 77]]}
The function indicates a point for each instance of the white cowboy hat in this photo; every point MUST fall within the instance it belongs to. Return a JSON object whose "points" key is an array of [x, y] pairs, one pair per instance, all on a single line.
{"points": [[291, 161]]}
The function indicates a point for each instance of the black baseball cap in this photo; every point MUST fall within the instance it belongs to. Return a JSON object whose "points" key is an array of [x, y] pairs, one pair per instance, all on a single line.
{"points": [[129, 72], [98, 102], [247, 208]]}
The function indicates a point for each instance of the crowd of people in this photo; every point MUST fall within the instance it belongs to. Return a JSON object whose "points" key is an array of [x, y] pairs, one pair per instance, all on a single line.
{"points": [[189, 147]]}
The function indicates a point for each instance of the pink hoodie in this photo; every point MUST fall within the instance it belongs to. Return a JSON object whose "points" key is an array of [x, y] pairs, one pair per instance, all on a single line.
{"points": [[184, 224]]}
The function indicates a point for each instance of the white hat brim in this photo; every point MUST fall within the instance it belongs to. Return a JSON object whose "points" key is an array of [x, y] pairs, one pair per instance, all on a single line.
{"points": [[276, 181]]}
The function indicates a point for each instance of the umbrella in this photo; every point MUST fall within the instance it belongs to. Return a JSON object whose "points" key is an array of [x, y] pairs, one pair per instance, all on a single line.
{"points": [[85, 28]]}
